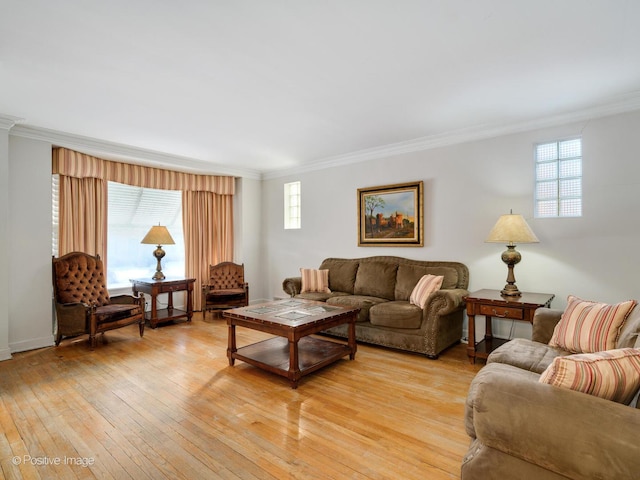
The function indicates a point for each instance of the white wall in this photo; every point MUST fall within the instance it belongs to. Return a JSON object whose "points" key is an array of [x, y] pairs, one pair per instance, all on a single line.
{"points": [[29, 262], [5, 351], [467, 187], [248, 234]]}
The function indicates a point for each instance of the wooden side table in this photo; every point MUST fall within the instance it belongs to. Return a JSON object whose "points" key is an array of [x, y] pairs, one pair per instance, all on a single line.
{"points": [[168, 285], [491, 303]]}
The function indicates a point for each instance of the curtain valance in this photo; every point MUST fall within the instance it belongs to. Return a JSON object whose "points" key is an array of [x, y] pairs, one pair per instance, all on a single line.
{"points": [[80, 165]]}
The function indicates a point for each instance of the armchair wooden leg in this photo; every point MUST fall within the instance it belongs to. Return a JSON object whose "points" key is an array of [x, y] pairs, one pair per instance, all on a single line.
{"points": [[141, 325]]}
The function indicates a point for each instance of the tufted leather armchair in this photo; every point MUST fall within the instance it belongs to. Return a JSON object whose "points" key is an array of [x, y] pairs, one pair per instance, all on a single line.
{"points": [[226, 288], [82, 301]]}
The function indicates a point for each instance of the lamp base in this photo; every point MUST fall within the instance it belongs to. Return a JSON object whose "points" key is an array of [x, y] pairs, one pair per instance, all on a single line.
{"points": [[158, 253], [511, 257], [510, 291], [158, 276]]}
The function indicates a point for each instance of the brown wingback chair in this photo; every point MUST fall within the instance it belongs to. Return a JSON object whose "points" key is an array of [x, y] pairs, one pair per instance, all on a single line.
{"points": [[225, 288], [82, 301]]}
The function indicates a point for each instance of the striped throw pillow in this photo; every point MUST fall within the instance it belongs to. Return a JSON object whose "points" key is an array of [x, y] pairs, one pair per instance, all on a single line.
{"points": [[425, 287], [587, 327], [612, 375], [315, 280]]}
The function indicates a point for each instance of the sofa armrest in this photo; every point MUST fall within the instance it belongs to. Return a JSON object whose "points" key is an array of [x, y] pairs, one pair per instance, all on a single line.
{"points": [[292, 285], [544, 321], [443, 302], [570, 433]]}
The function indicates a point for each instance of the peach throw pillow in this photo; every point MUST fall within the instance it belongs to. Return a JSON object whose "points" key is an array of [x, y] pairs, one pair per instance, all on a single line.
{"points": [[587, 327], [425, 287], [612, 375], [316, 281]]}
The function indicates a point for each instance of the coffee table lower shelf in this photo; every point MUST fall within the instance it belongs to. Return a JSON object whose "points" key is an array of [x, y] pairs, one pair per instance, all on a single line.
{"points": [[274, 356]]}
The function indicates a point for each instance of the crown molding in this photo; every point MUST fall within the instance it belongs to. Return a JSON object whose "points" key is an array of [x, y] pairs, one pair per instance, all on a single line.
{"points": [[120, 152], [622, 104], [7, 122]]}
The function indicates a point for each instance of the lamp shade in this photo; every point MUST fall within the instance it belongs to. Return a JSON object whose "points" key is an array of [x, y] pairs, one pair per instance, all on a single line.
{"points": [[511, 229], [158, 235]]}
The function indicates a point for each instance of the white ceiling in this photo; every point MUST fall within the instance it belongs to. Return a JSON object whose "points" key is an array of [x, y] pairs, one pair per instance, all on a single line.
{"points": [[265, 85]]}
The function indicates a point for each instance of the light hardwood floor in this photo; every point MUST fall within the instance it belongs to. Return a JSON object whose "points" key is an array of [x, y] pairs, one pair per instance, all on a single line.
{"points": [[170, 406]]}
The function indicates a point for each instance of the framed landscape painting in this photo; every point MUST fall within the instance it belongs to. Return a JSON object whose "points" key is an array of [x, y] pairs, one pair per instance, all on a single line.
{"points": [[391, 215]]}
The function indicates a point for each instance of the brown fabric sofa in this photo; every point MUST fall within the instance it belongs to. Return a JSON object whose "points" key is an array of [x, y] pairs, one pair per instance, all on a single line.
{"points": [[522, 429], [381, 286]]}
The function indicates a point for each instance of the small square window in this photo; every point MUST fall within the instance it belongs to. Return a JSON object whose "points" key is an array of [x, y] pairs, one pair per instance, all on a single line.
{"points": [[558, 191]]}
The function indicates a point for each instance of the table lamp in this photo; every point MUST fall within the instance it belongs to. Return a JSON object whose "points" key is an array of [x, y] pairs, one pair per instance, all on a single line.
{"points": [[158, 235], [511, 229]]}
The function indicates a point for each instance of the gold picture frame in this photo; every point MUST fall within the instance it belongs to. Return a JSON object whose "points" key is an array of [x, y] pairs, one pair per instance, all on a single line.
{"points": [[391, 215]]}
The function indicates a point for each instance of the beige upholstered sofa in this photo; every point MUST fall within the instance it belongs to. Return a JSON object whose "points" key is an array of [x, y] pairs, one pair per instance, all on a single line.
{"points": [[381, 287], [523, 429]]}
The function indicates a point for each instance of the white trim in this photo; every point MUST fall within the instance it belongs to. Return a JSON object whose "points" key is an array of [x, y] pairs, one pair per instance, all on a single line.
{"points": [[31, 344], [5, 354], [116, 151], [7, 122], [626, 103]]}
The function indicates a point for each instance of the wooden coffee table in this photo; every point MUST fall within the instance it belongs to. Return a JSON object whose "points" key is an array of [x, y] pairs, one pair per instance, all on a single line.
{"points": [[292, 353]]}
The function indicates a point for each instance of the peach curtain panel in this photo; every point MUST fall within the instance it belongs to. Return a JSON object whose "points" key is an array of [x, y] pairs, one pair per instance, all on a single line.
{"points": [[207, 220], [83, 216], [207, 207]]}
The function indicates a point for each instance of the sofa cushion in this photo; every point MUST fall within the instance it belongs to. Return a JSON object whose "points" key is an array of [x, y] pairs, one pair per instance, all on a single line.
{"points": [[425, 287], [612, 375], [629, 333], [314, 280], [342, 274], [316, 296], [526, 354], [376, 279], [406, 280], [408, 276], [396, 314], [587, 327], [364, 303]]}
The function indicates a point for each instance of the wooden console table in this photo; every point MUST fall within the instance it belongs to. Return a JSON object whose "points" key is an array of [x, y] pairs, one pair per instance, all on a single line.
{"points": [[491, 303], [168, 285]]}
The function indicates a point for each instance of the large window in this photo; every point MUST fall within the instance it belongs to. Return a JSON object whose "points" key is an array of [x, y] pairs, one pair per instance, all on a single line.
{"points": [[558, 191], [132, 211]]}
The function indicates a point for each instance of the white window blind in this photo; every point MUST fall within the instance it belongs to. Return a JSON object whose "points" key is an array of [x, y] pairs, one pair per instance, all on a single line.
{"points": [[292, 205], [132, 211], [55, 213], [558, 190]]}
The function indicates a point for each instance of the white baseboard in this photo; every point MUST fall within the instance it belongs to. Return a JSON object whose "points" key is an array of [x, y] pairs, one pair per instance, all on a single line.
{"points": [[31, 344]]}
